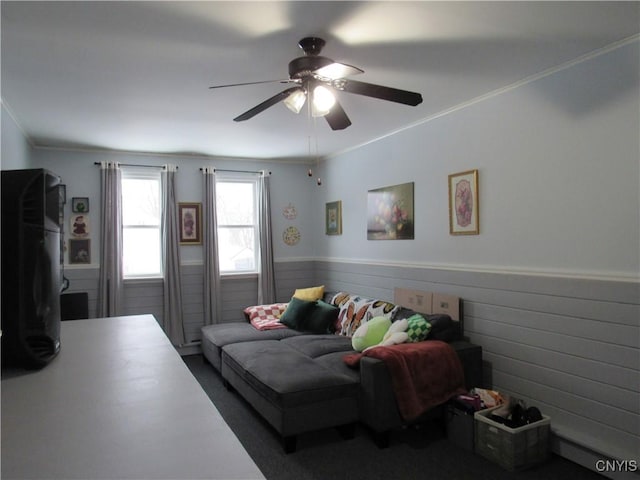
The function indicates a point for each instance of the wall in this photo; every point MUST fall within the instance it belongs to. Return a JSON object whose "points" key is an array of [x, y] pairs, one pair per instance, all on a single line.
{"points": [[558, 173], [15, 153], [289, 185], [550, 287]]}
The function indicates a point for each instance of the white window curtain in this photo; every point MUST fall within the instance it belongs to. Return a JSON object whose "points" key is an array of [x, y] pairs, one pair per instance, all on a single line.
{"points": [[110, 275], [173, 324], [212, 294], [266, 275]]}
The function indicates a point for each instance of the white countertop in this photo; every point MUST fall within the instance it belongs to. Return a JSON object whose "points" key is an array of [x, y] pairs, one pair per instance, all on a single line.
{"points": [[116, 403]]}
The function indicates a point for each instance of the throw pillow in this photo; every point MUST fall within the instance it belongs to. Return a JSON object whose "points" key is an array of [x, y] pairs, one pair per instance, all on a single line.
{"points": [[370, 333], [442, 327], [355, 310], [265, 317], [321, 319], [418, 328], [310, 294], [296, 313]]}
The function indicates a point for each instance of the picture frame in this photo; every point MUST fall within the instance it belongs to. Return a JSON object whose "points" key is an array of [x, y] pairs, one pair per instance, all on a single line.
{"points": [[333, 218], [80, 251], [79, 225], [80, 205], [390, 213], [190, 215], [464, 204]]}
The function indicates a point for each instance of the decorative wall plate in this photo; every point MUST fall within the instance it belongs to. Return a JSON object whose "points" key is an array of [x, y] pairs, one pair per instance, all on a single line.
{"points": [[289, 212], [291, 236]]}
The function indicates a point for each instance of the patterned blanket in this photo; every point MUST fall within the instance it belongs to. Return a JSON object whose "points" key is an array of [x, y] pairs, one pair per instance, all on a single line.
{"points": [[266, 317]]}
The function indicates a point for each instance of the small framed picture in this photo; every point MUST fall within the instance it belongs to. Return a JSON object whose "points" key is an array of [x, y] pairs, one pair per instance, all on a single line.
{"points": [[333, 218], [80, 251], [79, 204], [190, 215], [463, 203], [79, 225]]}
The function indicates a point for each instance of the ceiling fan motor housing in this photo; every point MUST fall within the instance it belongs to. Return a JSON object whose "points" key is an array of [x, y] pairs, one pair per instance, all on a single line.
{"points": [[302, 67], [311, 45]]}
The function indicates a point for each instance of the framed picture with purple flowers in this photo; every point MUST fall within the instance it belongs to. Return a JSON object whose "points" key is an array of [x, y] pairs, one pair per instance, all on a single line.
{"points": [[390, 213], [463, 203], [190, 215]]}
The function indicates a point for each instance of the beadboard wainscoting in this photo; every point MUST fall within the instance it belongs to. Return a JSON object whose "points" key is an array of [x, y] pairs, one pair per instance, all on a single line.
{"points": [[570, 346], [567, 345], [238, 292]]}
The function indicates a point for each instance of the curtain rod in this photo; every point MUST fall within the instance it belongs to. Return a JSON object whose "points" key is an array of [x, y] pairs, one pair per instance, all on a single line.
{"points": [[236, 171], [135, 165]]}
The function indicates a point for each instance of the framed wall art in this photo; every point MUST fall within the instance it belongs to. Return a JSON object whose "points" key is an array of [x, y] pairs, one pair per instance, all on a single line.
{"points": [[390, 213], [333, 218], [80, 251], [190, 215], [463, 203], [79, 225], [79, 204]]}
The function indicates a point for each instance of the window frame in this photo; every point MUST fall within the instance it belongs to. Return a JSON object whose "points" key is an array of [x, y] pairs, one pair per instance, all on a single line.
{"points": [[229, 178], [138, 173]]}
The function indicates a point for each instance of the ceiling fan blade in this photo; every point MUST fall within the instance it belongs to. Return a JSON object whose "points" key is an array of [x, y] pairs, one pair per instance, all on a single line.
{"points": [[378, 91], [251, 83], [266, 104], [337, 117], [336, 70]]}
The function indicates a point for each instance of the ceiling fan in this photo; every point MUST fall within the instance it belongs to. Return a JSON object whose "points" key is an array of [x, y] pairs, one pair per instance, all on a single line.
{"points": [[316, 76]]}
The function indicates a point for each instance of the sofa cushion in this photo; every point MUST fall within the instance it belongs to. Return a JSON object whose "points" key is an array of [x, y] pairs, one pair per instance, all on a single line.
{"points": [[322, 318], [285, 376], [266, 317], [216, 336], [442, 327], [313, 317], [418, 328], [222, 334], [310, 294], [314, 346], [335, 362], [296, 313], [355, 310]]}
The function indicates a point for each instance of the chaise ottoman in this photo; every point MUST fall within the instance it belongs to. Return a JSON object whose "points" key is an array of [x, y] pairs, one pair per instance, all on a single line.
{"points": [[215, 337], [294, 393]]}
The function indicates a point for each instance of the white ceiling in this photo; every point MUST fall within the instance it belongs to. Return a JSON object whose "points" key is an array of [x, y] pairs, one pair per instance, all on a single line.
{"points": [[134, 76]]}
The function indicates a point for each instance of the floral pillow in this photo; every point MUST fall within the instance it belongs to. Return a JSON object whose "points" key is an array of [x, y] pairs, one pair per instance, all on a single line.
{"points": [[356, 310]]}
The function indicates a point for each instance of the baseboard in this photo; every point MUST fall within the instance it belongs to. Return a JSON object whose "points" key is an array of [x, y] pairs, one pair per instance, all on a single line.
{"points": [[190, 349], [616, 469]]}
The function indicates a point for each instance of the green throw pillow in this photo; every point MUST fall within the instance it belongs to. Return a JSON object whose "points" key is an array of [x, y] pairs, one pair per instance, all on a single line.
{"points": [[321, 318], [296, 313], [418, 328], [370, 333]]}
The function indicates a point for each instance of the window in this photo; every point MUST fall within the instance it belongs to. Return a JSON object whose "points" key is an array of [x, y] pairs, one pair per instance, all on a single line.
{"points": [[141, 220], [236, 207]]}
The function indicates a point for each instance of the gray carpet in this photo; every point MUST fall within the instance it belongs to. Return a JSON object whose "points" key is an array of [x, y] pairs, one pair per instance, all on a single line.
{"points": [[414, 453]]}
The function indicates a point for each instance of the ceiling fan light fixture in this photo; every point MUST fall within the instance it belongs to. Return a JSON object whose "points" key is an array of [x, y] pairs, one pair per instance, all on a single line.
{"points": [[322, 102], [295, 101]]}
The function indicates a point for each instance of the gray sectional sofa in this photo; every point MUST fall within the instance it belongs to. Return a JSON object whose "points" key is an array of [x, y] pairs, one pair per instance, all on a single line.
{"points": [[299, 381]]}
